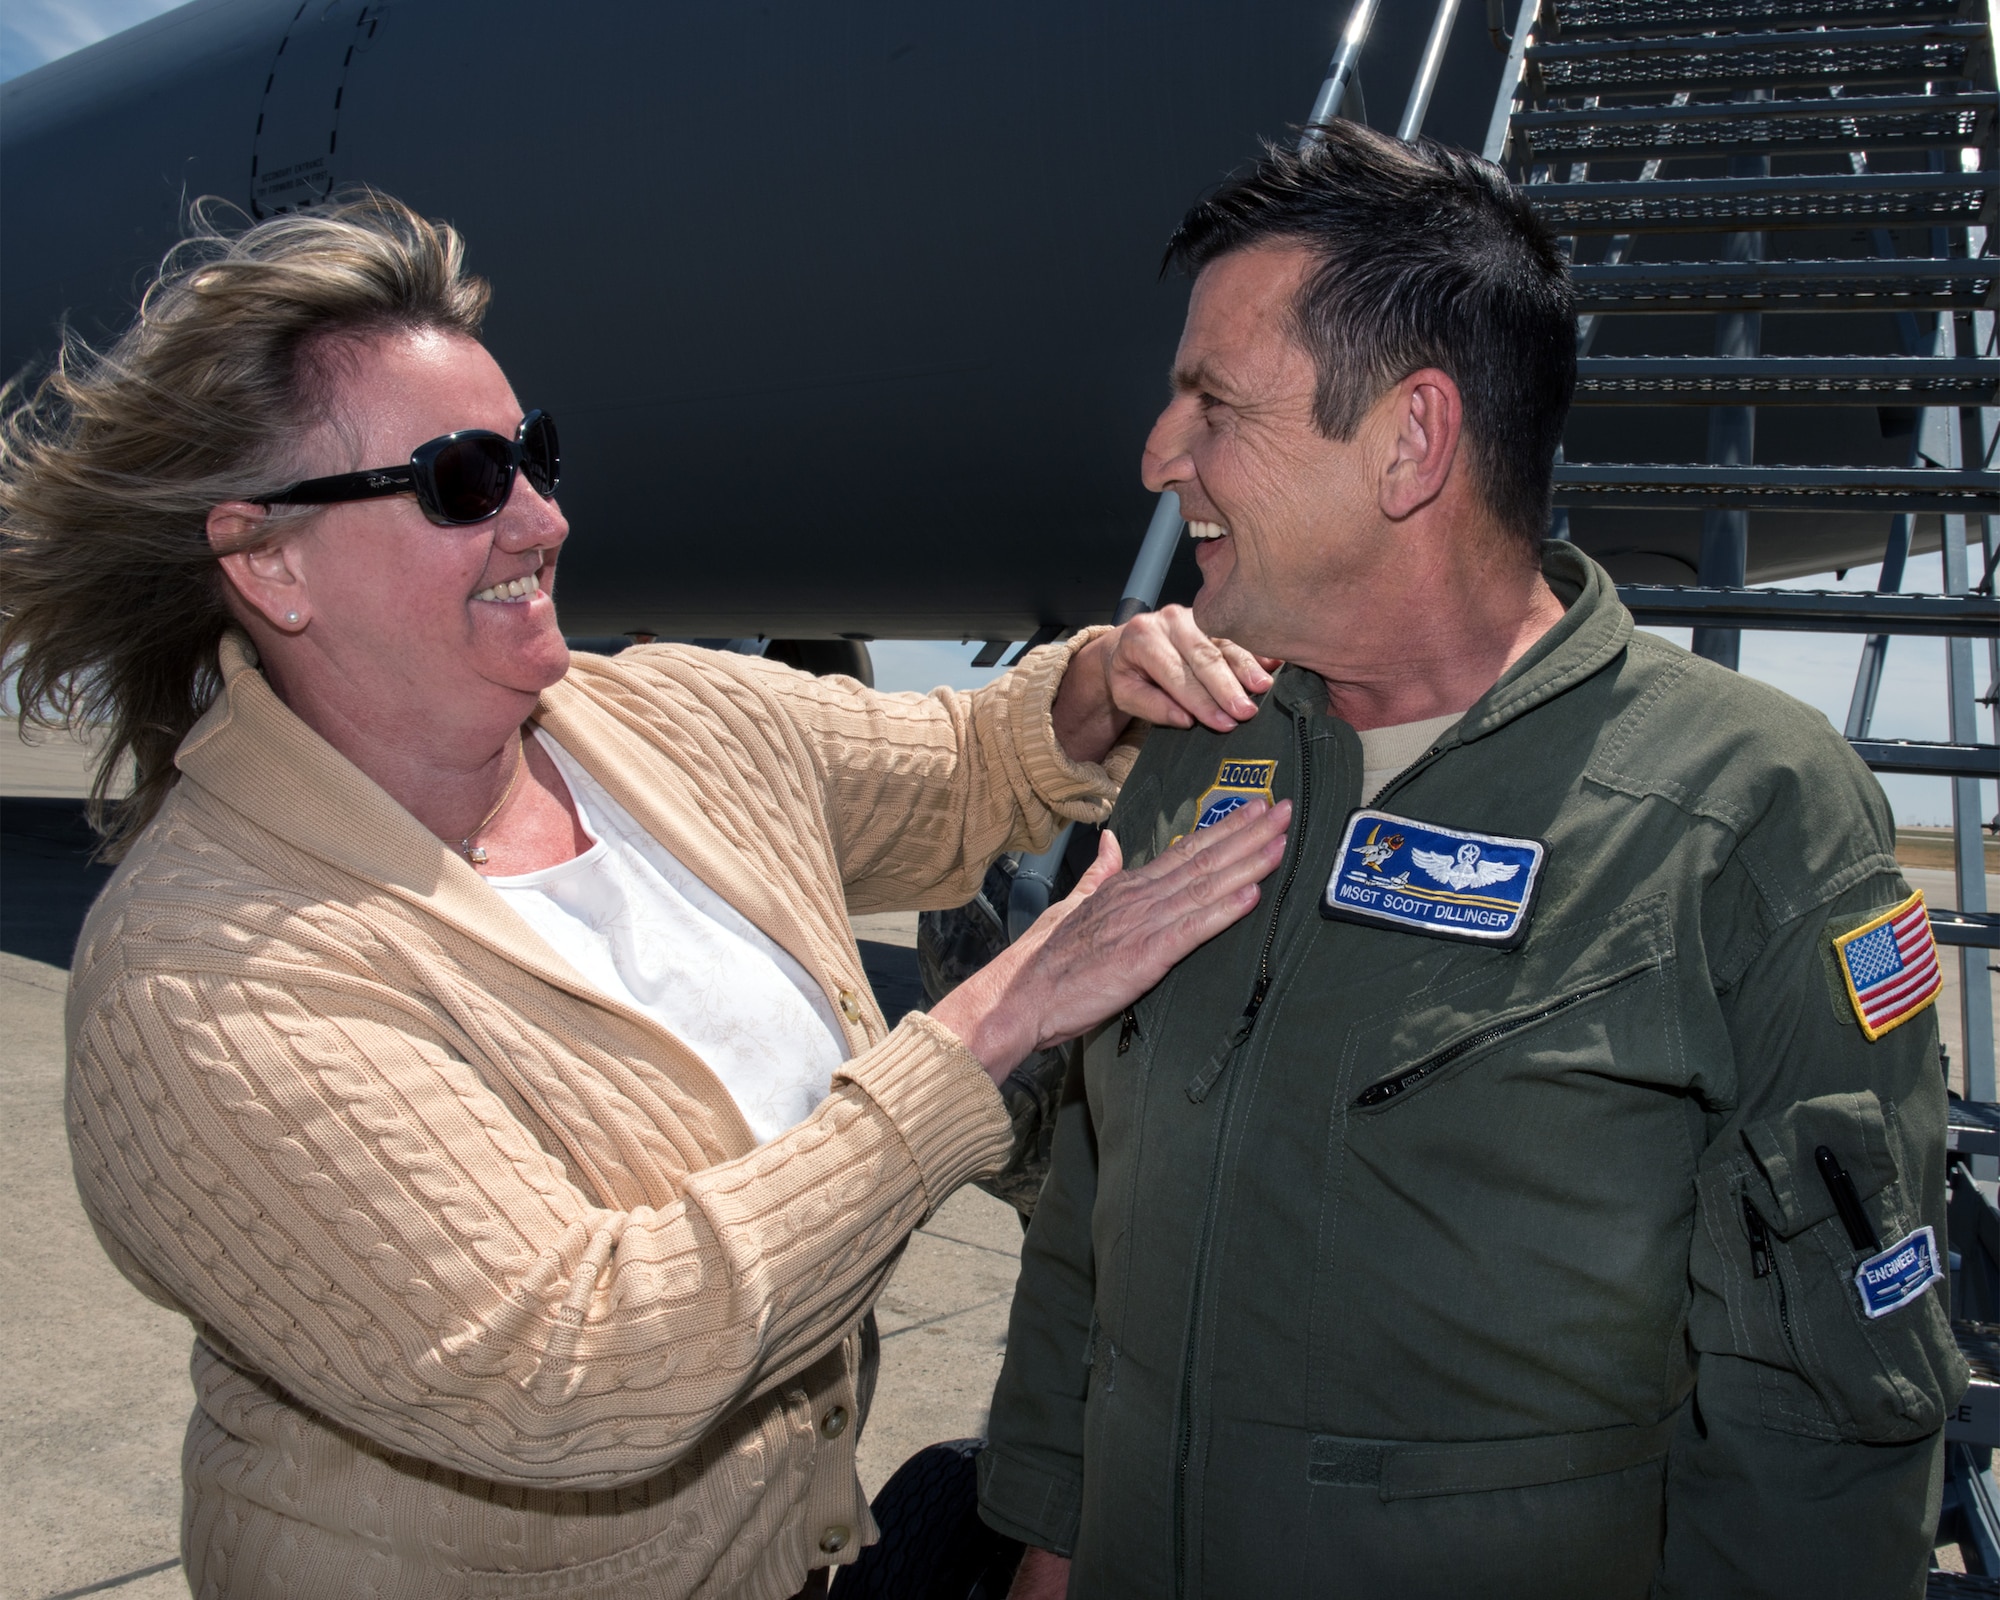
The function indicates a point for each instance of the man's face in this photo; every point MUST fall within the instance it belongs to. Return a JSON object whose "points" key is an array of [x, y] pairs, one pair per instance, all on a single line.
{"points": [[1280, 510]]}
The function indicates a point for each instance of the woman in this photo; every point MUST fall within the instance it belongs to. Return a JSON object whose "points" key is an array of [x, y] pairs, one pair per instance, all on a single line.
{"points": [[473, 1042]]}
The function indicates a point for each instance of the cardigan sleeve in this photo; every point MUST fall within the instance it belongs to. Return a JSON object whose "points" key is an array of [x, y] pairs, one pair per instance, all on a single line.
{"points": [[923, 791], [333, 1192]]}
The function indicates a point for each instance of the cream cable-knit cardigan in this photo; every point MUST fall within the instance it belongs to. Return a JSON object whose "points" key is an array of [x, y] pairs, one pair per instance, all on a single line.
{"points": [[493, 1295]]}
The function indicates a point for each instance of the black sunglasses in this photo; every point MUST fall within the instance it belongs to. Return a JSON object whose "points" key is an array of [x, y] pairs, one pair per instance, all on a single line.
{"points": [[462, 478]]}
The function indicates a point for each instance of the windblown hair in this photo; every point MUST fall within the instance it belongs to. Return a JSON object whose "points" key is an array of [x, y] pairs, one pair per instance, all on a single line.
{"points": [[1423, 257], [111, 600]]}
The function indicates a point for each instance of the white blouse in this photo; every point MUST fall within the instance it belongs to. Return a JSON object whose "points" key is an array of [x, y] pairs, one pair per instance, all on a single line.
{"points": [[644, 930]]}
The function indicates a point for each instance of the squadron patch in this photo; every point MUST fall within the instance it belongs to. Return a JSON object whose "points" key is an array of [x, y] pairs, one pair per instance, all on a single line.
{"points": [[1890, 967], [1395, 872], [1236, 784]]}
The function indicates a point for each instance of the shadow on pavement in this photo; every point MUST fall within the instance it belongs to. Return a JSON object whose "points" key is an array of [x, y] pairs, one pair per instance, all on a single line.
{"points": [[47, 879]]}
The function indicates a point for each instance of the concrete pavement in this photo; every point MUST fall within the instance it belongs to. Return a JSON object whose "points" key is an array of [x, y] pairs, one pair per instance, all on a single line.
{"points": [[94, 1392]]}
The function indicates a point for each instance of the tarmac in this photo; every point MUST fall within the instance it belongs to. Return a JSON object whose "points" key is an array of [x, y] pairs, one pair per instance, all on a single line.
{"points": [[94, 1393]]}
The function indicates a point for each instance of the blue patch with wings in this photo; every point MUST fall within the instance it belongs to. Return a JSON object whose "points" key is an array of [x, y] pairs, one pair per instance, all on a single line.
{"points": [[1396, 872]]}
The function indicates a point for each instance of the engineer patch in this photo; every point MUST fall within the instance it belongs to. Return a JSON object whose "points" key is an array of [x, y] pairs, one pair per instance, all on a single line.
{"points": [[1395, 872], [1236, 784], [1890, 966], [1899, 1274]]}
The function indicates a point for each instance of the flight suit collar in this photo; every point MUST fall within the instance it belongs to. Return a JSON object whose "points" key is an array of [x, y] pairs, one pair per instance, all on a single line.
{"points": [[1592, 633]]}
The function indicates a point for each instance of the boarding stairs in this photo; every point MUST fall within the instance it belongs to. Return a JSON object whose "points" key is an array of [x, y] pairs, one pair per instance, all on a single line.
{"points": [[1830, 164]]}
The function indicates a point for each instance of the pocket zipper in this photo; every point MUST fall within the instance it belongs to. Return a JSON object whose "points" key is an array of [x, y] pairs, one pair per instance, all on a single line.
{"points": [[1386, 1089], [1760, 1241], [1764, 1264]]}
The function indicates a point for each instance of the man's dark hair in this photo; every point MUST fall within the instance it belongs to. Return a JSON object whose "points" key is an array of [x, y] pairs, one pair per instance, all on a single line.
{"points": [[1425, 257]]}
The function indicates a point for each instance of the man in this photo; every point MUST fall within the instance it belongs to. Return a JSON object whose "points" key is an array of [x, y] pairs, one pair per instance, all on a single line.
{"points": [[1488, 1213]]}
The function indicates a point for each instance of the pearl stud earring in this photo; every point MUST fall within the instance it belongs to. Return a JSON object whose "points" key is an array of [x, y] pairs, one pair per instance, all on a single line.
{"points": [[291, 619]]}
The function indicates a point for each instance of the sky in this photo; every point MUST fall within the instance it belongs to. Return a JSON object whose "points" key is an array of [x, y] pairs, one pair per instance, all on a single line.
{"points": [[1816, 668], [35, 31]]}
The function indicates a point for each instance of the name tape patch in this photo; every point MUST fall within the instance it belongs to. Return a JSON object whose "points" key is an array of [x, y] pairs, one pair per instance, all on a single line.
{"points": [[1396, 872], [1890, 967], [1899, 1274], [1236, 784]]}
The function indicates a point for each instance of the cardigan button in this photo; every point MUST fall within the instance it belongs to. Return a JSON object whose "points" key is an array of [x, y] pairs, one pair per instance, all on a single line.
{"points": [[850, 1005], [834, 1540], [834, 1423]]}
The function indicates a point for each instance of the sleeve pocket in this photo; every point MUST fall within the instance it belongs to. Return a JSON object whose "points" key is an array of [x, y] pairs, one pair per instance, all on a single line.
{"points": [[1829, 1370]]}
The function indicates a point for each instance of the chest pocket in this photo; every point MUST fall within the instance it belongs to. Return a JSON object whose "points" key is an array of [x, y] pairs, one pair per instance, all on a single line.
{"points": [[1590, 998], [1518, 1141]]}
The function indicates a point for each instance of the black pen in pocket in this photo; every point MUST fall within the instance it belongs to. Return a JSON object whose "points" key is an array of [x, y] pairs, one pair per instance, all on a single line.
{"points": [[1860, 1232]]}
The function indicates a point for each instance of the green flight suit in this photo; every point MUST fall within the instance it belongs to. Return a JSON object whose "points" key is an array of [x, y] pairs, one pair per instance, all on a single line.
{"points": [[1499, 1330]]}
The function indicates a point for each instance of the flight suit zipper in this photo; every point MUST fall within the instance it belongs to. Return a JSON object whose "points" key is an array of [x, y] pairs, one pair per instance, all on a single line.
{"points": [[1196, 1092], [1291, 876], [1409, 772]]}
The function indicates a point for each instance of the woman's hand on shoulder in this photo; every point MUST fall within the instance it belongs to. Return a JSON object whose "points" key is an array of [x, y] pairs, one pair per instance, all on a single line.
{"points": [[1159, 668]]}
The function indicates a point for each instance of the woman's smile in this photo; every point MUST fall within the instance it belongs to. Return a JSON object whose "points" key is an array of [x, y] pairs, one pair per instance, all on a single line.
{"points": [[514, 591]]}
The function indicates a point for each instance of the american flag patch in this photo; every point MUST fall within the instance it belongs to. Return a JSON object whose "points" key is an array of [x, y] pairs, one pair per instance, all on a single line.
{"points": [[1890, 966]]}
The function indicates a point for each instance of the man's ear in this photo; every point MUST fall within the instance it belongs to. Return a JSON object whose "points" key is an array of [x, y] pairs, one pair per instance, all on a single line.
{"points": [[1426, 414], [265, 573]]}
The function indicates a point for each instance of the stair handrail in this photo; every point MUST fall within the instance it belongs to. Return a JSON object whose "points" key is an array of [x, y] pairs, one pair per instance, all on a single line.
{"points": [[1340, 71], [1510, 80], [1427, 71]]}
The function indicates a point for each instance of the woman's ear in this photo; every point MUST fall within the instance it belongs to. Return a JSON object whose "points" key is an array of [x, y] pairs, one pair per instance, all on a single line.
{"points": [[264, 573]]}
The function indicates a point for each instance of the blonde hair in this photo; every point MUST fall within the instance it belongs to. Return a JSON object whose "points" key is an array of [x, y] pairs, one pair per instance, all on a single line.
{"points": [[111, 600]]}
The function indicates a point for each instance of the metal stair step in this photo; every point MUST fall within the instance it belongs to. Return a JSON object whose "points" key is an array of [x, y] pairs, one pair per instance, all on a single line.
{"points": [[1654, 487], [1947, 616], [1923, 53], [1625, 18], [1972, 1127], [1978, 928], [1722, 205], [1942, 1585], [1979, 1343], [1922, 758], [1877, 285], [1806, 126], [1787, 380]]}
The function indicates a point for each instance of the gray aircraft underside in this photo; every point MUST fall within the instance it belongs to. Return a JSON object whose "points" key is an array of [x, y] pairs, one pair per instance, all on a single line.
{"points": [[850, 312]]}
